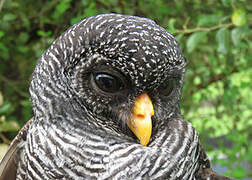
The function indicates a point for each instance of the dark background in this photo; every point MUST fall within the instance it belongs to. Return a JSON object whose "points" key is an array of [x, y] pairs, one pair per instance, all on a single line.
{"points": [[215, 36]]}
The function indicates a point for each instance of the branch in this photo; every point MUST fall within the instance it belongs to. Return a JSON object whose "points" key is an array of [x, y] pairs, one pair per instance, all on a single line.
{"points": [[197, 29]]}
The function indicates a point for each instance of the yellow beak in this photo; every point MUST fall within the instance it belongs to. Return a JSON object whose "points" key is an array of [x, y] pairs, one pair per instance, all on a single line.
{"points": [[140, 122]]}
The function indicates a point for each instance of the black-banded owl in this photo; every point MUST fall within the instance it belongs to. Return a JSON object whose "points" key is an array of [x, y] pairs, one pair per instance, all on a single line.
{"points": [[105, 98]]}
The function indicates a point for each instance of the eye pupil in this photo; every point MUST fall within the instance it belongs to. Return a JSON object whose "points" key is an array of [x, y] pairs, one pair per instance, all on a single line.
{"points": [[108, 83]]}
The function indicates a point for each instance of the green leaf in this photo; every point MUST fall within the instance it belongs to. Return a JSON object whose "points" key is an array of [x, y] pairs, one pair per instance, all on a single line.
{"points": [[76, 19], [23, 37], [222, 38], [61, 8], [90, 11], [239, 172], [113, 2], [5, 108], [194, 40], [22, 49], [43, 33], [226, 3], [9, 17], [207, 20], [171, 25], [236, 35], [179, 37], [3, 47], [1, 34], [239, 17], [26, 103], [25, 20], [197, 80]]}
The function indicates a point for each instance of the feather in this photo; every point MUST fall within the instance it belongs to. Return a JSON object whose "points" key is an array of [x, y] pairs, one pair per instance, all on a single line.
{"points": [[8, 165]]}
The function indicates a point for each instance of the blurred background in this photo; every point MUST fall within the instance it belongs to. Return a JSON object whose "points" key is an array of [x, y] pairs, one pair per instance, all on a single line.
{"points": [[216, 38]]}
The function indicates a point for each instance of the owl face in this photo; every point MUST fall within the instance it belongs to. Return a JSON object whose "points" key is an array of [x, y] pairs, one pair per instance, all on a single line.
{"points": [[126, 57], [109, 62]]}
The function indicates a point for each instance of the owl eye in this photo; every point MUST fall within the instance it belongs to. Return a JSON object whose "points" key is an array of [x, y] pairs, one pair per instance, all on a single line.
{"points": [[167, 87], [108, 83]]}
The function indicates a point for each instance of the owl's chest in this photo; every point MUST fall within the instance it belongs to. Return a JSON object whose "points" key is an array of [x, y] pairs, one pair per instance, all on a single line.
{"points": [[55, 155]]}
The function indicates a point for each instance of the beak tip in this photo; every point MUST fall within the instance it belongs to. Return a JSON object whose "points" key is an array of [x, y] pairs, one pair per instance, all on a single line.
{"points": [[144, 142]]}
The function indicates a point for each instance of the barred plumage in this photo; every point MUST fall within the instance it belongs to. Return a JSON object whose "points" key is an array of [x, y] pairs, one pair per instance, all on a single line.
{"points": [[79, 128]]}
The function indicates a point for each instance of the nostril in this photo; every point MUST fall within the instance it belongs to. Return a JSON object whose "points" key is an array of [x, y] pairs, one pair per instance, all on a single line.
{"points": [[140, 116]]}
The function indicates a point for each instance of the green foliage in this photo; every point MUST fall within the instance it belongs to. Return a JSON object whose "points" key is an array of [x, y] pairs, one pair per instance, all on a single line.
{"points": [[195, 40], [216, 38], [239, 17]]}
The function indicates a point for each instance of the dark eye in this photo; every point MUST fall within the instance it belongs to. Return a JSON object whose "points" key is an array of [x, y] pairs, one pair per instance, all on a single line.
{"points": [[167, 87], [108, 83]]}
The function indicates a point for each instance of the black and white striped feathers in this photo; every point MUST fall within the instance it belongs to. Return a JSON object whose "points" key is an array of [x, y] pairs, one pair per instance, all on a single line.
{"points": [[79, 131]]}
